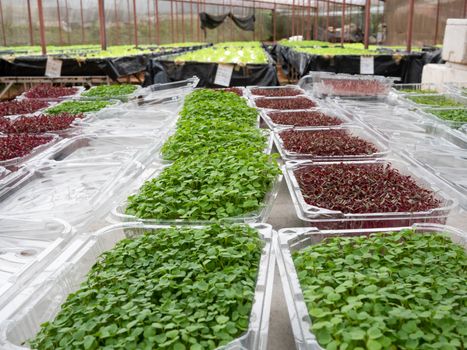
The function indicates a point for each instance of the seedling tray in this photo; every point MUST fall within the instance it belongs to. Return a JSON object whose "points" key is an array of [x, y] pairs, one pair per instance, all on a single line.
{"points": [[430, 113], [362, 133], [261, 215], [292, 102], [332, 219], [80, 90], [26, 247], [266, 116], [294, 239], [275, 91], [43, 303]]}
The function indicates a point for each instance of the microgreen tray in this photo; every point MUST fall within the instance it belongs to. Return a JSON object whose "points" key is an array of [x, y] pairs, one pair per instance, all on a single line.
{"points": [[354, 131], [295, 90], [266, 116], [80, 90], [43, 302], [334, 219], [291, 240], [260, 215], [288, 103]]}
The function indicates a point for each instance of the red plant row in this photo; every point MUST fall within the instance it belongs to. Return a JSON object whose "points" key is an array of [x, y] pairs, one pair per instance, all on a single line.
{"points": [[37, 124], [367, 188], [50, 91], [349, 87], [326, 143], [303, 118], [276, 92], [21, 107], [19, 145], [285, 103]]}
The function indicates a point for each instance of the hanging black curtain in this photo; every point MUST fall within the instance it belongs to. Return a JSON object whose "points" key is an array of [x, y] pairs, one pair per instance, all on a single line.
{"points": [[211, 22]]}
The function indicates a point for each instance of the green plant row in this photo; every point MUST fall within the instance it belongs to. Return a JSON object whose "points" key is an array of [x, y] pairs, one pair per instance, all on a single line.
{"points": [[250, 53], [220, 170], [177, 288], [110, 91], [77, 107], [455, 115], [435, 100], [400, 290]]}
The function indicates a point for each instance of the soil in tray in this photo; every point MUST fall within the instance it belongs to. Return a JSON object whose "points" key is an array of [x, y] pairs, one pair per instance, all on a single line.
{"points": [[21, 107], [276, 92], [38, 124], [362, 188], [19, 145], [304, 118], [285, 103], [326, 143], [354, 87]]}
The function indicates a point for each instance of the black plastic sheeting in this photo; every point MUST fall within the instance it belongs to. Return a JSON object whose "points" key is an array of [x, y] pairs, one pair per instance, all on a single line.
{"points": [[114, 67], [213, 21], [408, 67], [165, 71]]}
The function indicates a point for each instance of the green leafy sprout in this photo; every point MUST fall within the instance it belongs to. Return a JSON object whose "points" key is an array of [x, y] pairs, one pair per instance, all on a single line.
{"points": [[401, 290], [177, 289], [110, 91], [77, 107]]}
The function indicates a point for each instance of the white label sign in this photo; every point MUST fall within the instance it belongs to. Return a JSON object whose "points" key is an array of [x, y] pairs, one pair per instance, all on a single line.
{"points": [[53, 68], [223, 74], [367, 65]]}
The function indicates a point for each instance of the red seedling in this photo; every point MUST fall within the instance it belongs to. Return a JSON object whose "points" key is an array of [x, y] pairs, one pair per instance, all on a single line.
{"points": [[325, 143], [285, 103], [303, 118], [276, 92], [362, 188], [354, 87], [19, 145], [21, 107], [37, 124], [50, 91]]}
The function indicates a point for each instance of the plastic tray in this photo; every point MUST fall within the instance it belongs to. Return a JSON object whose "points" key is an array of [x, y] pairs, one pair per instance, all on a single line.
{"points": [[123, 98], [35, 155], [80, 89], [76, 192], [86, 148], [127, 121], [26, 246], [294, 239], [44, 302], [295, 87], [177, 88], [354, 130], [265, 115], [261, 215], [437, 88], [411, 104], [254, 99], [427, 113], [331, 219]]}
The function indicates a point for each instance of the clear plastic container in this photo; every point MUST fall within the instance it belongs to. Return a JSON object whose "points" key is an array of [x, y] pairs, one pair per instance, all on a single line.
{"points": [[346, 85], [294, 239], [291, 98], [332, 219], [86, 148], [123, 98], [354, 130], [260, 215], [266, 116], [80, 90], [430, 113], [79, 193], [297, 90], [128, 121], [414, 89], [43, 303], [26, 247], [407, 100], [35, 155], [3, 172]]}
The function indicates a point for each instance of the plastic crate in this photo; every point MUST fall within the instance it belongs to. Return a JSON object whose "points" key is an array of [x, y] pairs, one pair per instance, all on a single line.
{"points": [[294, 239], [43, 302]]}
